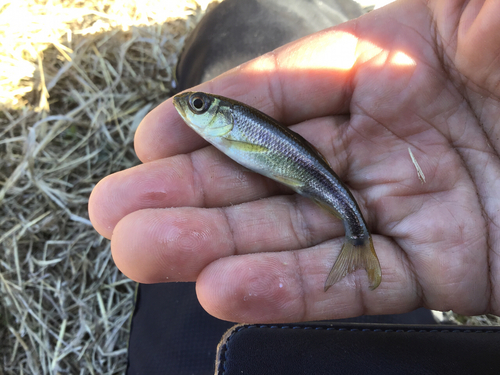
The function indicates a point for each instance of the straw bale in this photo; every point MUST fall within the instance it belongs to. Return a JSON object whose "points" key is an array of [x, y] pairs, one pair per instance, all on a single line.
{"points": [[77, 78]]}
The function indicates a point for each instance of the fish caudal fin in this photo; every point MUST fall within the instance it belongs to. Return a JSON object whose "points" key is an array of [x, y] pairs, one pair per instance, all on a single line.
{"points": [[352, 257]]}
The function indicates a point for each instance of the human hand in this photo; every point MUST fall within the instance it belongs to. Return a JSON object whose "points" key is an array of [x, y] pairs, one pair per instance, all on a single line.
{"points": [[419, 75]]}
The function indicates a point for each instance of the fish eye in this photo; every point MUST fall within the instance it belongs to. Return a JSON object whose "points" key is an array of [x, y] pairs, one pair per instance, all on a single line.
{"points": [[199, 103]]}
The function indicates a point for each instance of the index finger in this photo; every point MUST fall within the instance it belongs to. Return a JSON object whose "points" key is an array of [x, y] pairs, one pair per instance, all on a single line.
{"points": [[273, 83], [315, 76]]}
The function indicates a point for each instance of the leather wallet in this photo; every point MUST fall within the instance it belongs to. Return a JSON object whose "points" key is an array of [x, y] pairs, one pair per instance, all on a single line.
{"points": [[353, 348]]}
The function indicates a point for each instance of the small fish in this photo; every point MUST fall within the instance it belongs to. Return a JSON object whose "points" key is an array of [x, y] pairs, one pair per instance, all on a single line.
{"points": [[261, 144]]}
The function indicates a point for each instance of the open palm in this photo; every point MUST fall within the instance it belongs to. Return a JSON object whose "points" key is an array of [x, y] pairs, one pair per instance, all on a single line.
{"points": [[418, 75]]}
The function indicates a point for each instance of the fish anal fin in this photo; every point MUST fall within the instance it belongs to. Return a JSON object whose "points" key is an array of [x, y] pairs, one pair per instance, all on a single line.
{"points": [[327, 208], [354, 256]]}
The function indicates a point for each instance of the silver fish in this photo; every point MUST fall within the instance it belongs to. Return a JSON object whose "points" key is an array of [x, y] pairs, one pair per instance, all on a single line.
{"points": [[262, 145]]}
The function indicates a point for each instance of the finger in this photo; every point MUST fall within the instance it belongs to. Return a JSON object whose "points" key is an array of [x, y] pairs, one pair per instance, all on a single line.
{"points": [[272, 83], [189, 244], [176, 244], [312, 77], [473, 32], [288, 286], [204, 178]]}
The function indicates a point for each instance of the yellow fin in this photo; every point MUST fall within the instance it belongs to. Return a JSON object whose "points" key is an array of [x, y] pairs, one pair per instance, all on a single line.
{"points": [[289, 181], [321, 156], [327, 208], [245, 146], [220, 125], [352, 257], [218, 131]]}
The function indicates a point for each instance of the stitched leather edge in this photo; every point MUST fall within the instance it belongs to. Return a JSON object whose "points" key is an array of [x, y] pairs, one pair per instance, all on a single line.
{"points": [[319, 328], [222, 348]]}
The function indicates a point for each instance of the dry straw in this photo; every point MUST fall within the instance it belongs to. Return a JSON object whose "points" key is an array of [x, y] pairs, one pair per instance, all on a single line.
{"points": [[76, 78]]}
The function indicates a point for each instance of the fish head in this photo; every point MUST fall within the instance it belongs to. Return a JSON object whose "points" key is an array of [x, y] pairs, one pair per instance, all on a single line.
{"points": [[206, 114]]}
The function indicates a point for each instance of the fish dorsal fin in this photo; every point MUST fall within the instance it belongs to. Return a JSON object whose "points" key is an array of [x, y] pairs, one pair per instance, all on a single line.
{"points": [[321, 155], [309, 145]]}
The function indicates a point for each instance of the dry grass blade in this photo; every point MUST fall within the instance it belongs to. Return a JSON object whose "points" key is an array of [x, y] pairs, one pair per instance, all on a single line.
{"points": [[76, 78], [420, 173]]}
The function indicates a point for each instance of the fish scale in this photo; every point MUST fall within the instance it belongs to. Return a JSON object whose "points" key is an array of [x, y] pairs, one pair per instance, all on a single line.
{"points": [[317, 176]]}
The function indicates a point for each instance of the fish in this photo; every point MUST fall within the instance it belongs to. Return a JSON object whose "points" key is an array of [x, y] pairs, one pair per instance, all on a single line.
{"points": [[261, 144]]}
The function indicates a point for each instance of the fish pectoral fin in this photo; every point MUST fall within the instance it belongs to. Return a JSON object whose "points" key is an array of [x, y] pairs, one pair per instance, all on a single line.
{"points": [[219, 131], [289, 181], [352, 257], [224, 121], [327, 208], [245, 146]]}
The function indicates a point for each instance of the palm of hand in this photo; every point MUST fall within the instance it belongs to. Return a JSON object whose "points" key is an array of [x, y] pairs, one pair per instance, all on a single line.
{"points": [[419, 82]]}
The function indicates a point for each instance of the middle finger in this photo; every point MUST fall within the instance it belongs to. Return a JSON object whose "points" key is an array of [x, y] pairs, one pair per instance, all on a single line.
{"points": [[176, 244], [203, 178]]}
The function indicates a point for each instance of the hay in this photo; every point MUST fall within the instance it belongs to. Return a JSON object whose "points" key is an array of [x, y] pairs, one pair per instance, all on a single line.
{"points": [[76, 78]]}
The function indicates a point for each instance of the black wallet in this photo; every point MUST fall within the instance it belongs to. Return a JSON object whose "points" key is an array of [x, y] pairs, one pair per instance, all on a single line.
{"points": [[352, 348]]}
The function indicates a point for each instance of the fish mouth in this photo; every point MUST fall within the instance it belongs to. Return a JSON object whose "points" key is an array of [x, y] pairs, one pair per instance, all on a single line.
{"points": [[179, 100]]}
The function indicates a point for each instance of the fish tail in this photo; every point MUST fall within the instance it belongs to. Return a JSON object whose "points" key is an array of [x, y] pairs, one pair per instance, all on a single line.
{"points": [[355, 255]]}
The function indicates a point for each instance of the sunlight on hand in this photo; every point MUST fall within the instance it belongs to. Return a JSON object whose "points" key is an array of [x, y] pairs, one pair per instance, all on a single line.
{"points": [[332, 50]]}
